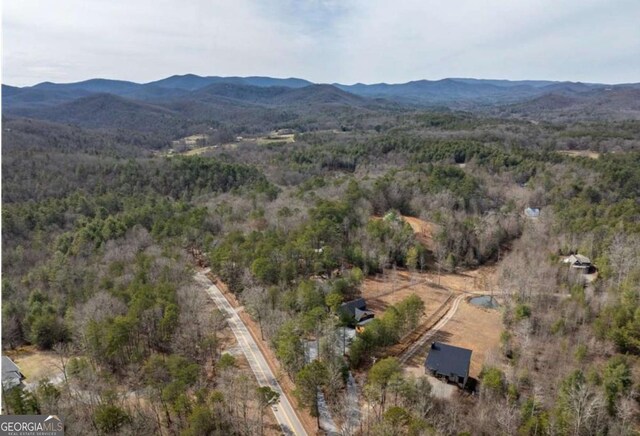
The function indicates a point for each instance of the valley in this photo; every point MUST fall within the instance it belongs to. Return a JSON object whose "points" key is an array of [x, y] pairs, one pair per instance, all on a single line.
{"points": [[354, 221], [320, 218]]}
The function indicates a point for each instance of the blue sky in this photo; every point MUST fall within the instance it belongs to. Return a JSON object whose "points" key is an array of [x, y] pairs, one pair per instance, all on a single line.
{"points": [[326, 41]]}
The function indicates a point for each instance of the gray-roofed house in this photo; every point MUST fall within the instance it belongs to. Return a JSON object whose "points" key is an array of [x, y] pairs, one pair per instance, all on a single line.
{"points": [[578, 261], [450, 362], [532, 212], [11, 375], [357, 311]]}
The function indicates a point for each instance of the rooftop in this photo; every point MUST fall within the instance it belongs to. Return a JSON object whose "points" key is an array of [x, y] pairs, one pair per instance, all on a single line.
{"points": [[448, 359], [9, 369], [578, 259], [351, 307], [532, 212], [11, 375]]}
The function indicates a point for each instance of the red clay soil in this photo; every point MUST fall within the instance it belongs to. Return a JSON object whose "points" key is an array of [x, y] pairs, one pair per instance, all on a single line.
{"points": [[309, 423]]}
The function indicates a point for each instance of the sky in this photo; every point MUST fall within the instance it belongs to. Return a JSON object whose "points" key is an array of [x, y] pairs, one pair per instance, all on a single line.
{"points": [[325, 41]]}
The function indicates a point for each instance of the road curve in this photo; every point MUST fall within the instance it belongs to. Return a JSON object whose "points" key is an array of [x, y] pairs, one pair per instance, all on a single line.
{"points": [[419, 344], [283, 411]]}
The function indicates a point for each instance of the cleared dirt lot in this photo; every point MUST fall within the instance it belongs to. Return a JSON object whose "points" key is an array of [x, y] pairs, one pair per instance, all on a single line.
{"points": [[381, 292], [471, 327], [468, 326], [393, 286]]}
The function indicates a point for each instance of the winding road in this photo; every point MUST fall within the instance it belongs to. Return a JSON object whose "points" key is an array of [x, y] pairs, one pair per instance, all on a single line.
{"points": [[283, 411]]}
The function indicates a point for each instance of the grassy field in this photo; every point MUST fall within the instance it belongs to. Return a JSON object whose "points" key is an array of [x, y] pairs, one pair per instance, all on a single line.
{"points": [[276, 138], [199, 150], [36, 365], [194, 147], [580, 153]]}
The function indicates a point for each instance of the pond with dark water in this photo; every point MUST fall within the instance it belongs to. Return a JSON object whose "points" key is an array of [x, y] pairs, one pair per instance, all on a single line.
{"points": [[486, 301]]}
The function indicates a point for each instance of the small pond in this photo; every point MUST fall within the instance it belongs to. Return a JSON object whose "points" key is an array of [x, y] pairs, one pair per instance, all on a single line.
{"points": [[486, 301]]}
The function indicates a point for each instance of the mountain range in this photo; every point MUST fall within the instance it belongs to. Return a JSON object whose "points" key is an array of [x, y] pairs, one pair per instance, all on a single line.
{"points": [[143, 106]]}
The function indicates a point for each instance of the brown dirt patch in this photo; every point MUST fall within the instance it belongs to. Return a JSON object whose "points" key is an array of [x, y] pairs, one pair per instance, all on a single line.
{"points": [[382, 292], [392, 286], [471, 327], [423, 230], [437, 291]]}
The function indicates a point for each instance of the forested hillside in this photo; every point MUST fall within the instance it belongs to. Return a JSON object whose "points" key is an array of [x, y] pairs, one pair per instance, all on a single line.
{"points": [[99, 219]]}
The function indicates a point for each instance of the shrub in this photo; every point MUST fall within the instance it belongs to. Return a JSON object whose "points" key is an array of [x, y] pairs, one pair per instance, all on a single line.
{"points": [[110, 419], [492, 380], [522, 311]]}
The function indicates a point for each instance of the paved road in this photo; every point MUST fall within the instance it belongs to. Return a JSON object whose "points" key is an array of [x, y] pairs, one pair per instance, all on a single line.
{"points": [[285, 415], [420, 343]]}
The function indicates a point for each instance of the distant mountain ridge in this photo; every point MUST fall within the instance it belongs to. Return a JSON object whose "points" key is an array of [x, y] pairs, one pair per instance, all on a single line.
{"points": [[100, 103], [192, 82], [421, 92], [618, 103], [123, 104], [466, 91]]}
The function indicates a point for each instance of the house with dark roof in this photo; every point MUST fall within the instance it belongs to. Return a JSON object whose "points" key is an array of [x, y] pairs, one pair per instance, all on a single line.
{"points": [[356, 311], [11, 375], [579, 262], [449, 362]]}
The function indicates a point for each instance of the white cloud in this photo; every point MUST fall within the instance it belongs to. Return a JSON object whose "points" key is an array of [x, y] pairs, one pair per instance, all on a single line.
{"points": [[321, 40], [532, 39]]}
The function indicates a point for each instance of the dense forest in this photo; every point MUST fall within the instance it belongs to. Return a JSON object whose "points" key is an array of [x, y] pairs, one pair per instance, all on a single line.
{"points": [[98, 224]]}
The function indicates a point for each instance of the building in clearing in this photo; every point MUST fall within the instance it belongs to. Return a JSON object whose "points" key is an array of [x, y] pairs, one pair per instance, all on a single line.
{"points": [[356, 311], [449, 362], [579, 261], [532, 212], [11, 375]]}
